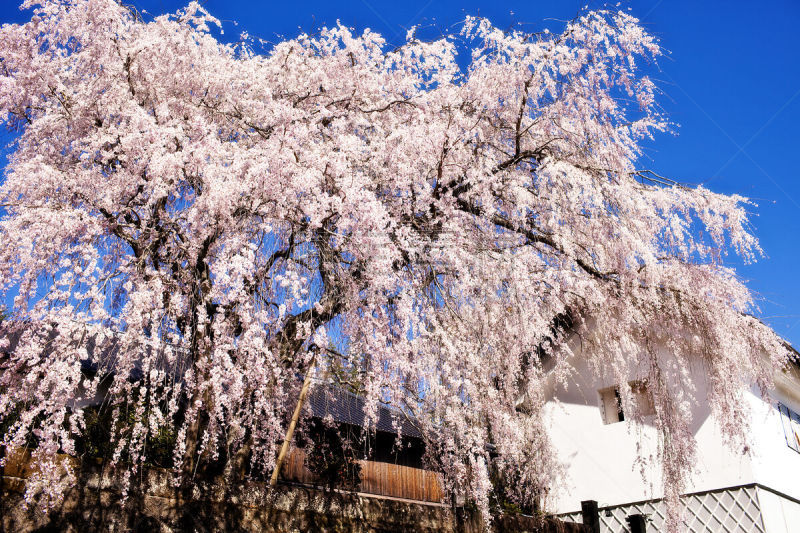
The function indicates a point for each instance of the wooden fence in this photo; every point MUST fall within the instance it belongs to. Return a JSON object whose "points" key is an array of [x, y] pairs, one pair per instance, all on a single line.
{"points": [[384, 479]]}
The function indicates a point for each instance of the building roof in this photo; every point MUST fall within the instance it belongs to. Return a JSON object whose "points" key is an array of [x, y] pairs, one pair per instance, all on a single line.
{"points": [[324, 399], [348, 408]]}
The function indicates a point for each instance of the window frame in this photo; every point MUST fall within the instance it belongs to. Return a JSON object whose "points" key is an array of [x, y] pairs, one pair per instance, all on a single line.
{"points": [[611, 402], [790, 423], [611, 405]]}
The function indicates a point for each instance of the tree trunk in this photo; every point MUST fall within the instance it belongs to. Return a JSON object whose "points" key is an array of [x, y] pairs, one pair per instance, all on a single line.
{"points": [[290, 431], [193, 432]]}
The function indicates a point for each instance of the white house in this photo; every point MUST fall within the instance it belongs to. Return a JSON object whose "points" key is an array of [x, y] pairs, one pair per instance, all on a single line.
{"points": [[730, 491]]}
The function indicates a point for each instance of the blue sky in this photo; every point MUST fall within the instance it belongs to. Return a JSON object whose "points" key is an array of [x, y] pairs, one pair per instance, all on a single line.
{"points": [[731, 82]]}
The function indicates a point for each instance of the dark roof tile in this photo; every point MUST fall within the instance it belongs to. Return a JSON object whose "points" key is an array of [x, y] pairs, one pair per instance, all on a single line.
{"points": [[348, 408]]}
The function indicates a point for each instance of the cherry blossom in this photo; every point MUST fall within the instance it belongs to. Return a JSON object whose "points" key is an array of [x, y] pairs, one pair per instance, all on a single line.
{"points": [[199, 221]]}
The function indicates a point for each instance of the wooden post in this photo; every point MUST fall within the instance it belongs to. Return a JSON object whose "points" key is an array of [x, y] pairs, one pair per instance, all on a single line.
{"points": [[290, 430], [590, 516], [637, 523]]}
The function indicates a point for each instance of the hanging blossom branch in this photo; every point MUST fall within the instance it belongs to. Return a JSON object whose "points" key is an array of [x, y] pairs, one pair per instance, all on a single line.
{"points": [[193, 226]]}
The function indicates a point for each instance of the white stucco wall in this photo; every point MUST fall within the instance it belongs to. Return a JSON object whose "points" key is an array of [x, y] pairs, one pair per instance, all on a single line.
{"points": [[602, 459], [780, 515], [775, 464], [606, 462]]}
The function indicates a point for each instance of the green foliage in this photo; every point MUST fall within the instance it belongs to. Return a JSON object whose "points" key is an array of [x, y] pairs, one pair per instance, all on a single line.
{"points": [[331, 457], [7, 421], [97, 441], [502, 498], [160, 447]]}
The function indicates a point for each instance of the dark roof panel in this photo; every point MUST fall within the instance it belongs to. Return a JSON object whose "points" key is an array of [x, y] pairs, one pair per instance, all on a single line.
{"points": [[347, 408]]}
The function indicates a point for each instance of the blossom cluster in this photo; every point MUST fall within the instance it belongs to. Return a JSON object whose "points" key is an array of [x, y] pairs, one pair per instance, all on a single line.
{"points": [[204, 223]]}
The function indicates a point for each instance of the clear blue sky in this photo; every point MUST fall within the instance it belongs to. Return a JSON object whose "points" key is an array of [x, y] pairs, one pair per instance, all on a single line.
{"points": [[732, 83]]}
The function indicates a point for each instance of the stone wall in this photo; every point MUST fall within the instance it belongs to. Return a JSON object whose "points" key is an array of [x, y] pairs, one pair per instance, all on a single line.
{"points": [[95, 505]]}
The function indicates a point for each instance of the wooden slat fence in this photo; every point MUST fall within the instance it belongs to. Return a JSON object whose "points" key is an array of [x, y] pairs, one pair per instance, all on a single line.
{"points": [[384, 479]]}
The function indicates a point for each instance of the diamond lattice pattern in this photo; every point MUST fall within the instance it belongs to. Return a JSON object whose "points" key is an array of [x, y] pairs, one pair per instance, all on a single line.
{"points": [[726, 511]]}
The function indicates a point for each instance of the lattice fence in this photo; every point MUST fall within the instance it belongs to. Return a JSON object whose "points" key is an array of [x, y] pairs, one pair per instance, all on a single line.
{"points": [[727, 511]]}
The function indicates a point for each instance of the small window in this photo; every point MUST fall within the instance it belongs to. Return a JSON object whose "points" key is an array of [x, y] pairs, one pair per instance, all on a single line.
{"points": [[611, 401], [612, 405], [790, 421]]}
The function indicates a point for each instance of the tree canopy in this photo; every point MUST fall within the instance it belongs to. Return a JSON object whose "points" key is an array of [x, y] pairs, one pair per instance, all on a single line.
{"points": [[214, 217]]}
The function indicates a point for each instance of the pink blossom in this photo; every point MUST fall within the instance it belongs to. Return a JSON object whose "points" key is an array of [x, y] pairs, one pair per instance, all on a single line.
{"points": [[209, 217]]}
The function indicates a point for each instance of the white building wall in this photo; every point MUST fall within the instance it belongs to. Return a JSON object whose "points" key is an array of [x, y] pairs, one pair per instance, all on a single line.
{"points": [[775, 464], [779, 514], [616, 463], [605, 462]]}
